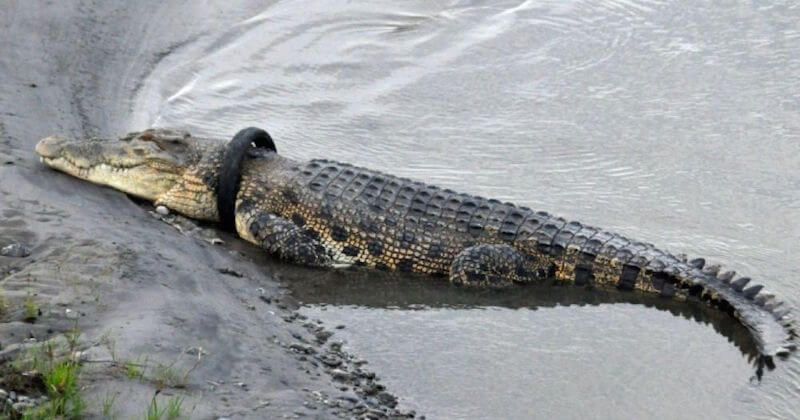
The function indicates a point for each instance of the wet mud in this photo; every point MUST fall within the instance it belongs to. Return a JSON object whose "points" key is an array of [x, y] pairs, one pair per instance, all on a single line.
{"points": [[193, 318]]}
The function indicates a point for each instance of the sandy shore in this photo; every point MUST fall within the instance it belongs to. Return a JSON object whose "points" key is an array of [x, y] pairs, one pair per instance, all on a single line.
{"points": [[141, 292]]}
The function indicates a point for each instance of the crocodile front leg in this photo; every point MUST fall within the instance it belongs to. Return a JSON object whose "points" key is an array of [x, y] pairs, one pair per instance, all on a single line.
{"points": [[489, 265], [288, 241]]}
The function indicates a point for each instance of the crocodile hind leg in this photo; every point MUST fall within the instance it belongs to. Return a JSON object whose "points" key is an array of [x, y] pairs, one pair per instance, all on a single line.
{"points": [[489, 265], [288, 241]]}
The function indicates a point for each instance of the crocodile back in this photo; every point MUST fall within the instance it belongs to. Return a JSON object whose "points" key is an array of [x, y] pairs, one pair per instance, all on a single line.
{"points": [[394, 223]]}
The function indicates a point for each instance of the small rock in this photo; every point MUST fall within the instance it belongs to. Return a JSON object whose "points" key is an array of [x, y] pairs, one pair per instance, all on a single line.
{"points": [[323, 336], [162, 210], [341, 375], [96, 354], [196, 351], [387, 399], [16, 250], [331, 361], [300, 348], [21, 406], [12, 396], [70, 314], [371, 388], [374, 414], [349, 398], [230, 272], [340, 327]]}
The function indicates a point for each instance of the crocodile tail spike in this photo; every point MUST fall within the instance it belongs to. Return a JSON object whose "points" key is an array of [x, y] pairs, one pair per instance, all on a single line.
{"points": [[768, 319], [727, 276], [698, 263]]}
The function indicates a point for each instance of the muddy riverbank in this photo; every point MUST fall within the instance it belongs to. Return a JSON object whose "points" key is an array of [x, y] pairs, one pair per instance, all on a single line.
{"points": [[157, 309]]}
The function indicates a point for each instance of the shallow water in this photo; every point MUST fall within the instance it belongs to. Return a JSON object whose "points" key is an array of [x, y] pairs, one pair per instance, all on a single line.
{"points": [[670, 122]]}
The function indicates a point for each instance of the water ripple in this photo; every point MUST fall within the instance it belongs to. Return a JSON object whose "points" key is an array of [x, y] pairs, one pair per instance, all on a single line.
{"points": [[671, 122]]}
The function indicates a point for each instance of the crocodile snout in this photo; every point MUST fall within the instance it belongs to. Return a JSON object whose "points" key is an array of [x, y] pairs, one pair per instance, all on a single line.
{"points": [[50, 147]]}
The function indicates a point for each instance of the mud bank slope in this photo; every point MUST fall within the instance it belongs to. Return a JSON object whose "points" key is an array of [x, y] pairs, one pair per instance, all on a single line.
{"points": [[202, 321]]}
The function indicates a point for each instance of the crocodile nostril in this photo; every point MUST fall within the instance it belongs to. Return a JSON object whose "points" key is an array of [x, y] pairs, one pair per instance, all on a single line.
{"points": [[50, 146]]}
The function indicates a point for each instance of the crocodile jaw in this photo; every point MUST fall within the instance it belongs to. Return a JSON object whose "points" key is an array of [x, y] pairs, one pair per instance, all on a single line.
{"points": [[137, 169]]}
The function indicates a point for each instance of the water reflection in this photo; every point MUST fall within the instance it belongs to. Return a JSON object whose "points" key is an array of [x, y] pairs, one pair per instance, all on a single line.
{"points": [[409, 292]]}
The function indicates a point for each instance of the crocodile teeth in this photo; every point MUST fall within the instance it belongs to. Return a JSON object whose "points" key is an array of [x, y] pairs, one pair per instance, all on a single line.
{"points": [[698, 263], [752, 291], [739, 283]]}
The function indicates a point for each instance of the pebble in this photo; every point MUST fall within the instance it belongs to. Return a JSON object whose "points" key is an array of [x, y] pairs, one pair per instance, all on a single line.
{"points": [[162, 210], [375, 414], [323, 336], [387, 399], [21, 406], [70, 314], [231, 272], [370, 388], [331, 360], [341, 375], [300, 348], [16, 250]]}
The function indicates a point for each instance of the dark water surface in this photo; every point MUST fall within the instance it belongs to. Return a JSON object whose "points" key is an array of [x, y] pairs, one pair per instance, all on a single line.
{"points": [[676, 123]]}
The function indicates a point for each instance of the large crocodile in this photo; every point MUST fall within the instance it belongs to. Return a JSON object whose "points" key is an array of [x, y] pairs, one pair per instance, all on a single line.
{"points": [[323, 213]]}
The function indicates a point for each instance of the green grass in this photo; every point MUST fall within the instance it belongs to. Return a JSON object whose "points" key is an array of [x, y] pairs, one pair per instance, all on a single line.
{"points": [[31, 308], [61, 382], [59, 375], [171, 411], [107, 341], [3, 304], [166, 376], [108, 405], [132, 370]]}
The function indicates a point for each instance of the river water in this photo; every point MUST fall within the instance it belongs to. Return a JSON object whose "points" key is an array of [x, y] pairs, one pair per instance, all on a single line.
{"points": [[675, 123]]}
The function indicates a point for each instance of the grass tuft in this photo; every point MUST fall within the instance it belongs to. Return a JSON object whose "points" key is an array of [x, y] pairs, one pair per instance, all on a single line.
{"points": [[172, 411], [132, 370], [108, 405], [3, 304], [31, 308]]}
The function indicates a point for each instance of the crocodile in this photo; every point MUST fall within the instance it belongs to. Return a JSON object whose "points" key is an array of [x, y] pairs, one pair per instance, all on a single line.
{"points": [[324, 213]]}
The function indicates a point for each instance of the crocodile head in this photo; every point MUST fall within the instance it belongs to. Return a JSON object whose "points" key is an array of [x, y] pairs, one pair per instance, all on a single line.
{"points": [[162, 166]]}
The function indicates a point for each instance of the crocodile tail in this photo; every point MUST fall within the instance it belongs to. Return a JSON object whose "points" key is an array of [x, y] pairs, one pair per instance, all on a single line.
{"points": [[595, 257], [767, 318]]}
